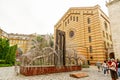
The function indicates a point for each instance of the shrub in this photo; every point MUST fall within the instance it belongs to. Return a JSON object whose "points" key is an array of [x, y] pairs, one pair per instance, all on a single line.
{"points": [[85, 66], [5, 65], [2, 61]]}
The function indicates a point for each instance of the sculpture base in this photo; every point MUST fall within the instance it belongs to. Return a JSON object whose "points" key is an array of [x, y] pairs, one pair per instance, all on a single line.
{"points": [[36, 70]]}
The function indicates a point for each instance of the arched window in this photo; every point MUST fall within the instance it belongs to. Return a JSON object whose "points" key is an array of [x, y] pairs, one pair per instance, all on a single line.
{"points": [[71, 34]]}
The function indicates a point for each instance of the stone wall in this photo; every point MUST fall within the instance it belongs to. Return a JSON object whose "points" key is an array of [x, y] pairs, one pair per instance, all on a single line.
{"points": [[114, 15]]}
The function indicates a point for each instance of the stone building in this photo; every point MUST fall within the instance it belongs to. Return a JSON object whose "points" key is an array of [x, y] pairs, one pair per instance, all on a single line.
{"points": [[23, 41], [114, 15], [85, 29], [3, 34]]}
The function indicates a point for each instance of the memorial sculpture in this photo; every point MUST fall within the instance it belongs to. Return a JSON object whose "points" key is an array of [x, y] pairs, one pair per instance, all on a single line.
{"points": [[42, 58]]}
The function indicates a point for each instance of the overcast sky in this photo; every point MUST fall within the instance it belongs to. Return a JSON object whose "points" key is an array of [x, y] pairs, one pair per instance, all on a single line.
{"points": [[38, 16]]}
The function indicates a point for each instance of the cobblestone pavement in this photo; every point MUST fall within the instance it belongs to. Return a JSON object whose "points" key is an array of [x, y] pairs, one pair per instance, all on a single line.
{"points": [[8, 73]]}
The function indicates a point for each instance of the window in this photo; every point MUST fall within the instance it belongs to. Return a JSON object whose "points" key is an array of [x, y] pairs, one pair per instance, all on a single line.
{"points": [[88, 20], [110, 37], [107, 35], [70, 17], [71, 34], [105, 24], [65, 23], [77, 19], [104, 44], [90, 48], [103, 34], [68, 21], [108, 45], [89, 30], [73, 18], [90, 39]]}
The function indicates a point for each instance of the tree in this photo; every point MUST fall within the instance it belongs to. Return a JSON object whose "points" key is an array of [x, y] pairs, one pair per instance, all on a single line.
{"points": [[19, 52], [41, 41], [4, 47], [51, 43], [10, 57], [7, 52]]}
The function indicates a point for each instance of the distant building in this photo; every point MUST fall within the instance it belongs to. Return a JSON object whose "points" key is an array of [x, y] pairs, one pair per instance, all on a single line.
{"points": [[114, 15], [85, 29], [3, 34], [23, 41]]}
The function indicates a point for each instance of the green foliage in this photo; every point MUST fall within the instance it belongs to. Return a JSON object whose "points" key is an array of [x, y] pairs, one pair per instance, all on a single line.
{"points": [[2, 61], [18, 63], [4, 48], [19, 52], [85, 66], [51, 43], [10, 57], [7, 52], [41, 41], [5, 65]]}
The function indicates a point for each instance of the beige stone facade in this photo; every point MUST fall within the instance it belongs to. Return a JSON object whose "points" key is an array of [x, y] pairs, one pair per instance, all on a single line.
{"points": [[3, 34], [23, 41], [114, 15], [87, 30]]}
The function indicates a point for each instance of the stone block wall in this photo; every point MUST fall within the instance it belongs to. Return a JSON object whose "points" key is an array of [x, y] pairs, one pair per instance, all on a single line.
{"points": [[30, 71]]}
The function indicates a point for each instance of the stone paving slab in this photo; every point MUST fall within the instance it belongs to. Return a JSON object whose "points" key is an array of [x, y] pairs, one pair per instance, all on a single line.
{"points": [[8, 73], [79, 75]]}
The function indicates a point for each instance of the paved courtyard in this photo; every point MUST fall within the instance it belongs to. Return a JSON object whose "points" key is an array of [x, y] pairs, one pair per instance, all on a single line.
{"points": [[8, 73]]}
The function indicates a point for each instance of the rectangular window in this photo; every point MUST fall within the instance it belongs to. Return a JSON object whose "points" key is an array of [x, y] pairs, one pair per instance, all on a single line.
{"points": [[70, 17], [90, 39], [88, 20], [76, 19], [103, 34], [89, 30], [106, 35], [68, 21], [73, 18], [65, 23], [90, 48], [108, 45], [110, 37], [105, 24], [104, 44]]}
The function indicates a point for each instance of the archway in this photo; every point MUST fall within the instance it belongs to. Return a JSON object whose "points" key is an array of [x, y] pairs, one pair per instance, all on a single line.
{"points": [[111, 55]]}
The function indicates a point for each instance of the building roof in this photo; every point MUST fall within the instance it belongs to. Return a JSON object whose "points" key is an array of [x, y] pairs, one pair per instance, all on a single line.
{"points": [[70, 10]]}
